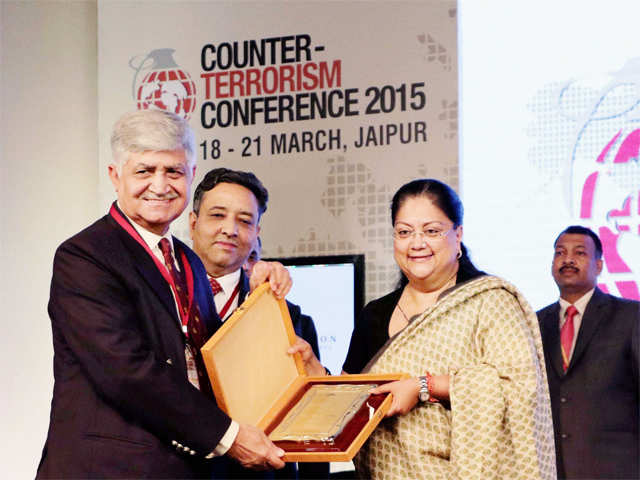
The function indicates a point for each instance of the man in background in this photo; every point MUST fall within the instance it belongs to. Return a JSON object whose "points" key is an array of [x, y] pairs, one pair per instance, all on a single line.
{"points": [[225, 226], [130, 307], [254, 256], [591, 344]]}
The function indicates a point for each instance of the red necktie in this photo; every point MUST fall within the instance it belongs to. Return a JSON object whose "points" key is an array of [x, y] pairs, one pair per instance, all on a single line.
{"points": [[566, 336], [215, 286], [196, 331], [178, 279]]}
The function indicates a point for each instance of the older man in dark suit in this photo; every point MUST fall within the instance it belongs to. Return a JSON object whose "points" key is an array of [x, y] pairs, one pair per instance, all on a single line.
{"points": [[591, 345], [130, 306]]}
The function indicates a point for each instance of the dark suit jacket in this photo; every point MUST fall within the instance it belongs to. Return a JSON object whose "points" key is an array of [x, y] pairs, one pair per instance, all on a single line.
{"points": [[595, 404], [122, 405]]}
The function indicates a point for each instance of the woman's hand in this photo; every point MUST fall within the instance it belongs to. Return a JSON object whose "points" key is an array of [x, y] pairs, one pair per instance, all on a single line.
{"points": [[312, 365], [405, 395]]}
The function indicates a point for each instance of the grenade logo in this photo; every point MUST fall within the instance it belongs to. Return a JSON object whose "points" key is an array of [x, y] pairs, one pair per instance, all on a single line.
{"points": [[164, 86]]}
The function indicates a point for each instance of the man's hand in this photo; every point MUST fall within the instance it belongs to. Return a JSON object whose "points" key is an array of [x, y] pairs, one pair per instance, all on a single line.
{"points": [[252, 449], [405, 395], [277, 275], [312, 365]]}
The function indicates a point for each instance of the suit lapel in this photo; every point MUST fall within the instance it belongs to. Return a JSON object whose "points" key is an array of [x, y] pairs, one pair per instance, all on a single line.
{"points": [[202, 295], [212, 320], [551, 333], [244, 287], [593, 315], [147, 268]]}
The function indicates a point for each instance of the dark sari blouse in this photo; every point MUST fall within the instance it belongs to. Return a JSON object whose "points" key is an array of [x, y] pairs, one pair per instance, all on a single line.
{"points": [[371, 330]]}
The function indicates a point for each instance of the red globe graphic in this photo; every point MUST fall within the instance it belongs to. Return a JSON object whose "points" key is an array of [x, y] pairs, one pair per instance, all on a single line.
{"points": [[165, 86], [619, 228]]}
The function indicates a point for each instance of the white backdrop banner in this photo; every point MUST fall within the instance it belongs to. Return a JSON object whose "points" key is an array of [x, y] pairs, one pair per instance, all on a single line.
{"points": [[333, 105]]}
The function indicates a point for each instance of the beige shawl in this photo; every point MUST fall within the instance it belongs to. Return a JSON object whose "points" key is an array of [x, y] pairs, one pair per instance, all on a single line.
{"points": [[485, 335]]}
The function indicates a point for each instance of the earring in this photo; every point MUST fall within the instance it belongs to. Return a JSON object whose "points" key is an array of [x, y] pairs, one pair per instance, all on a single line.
{"points": [[459, 255]]}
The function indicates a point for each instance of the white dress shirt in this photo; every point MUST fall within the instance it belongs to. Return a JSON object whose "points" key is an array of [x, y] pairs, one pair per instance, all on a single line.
{"points": [[228, 283]]}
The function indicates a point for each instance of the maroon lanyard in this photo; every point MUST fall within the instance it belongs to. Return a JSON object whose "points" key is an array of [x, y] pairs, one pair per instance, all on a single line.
{"points": [[229, 302], [184, 313]]}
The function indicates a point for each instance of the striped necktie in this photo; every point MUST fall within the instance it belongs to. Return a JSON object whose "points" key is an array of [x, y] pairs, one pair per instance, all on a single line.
{"points": [[197, 334], [215, 286]]}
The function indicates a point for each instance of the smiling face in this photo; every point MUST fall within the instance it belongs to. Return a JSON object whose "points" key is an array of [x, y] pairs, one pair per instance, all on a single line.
{"points": [[153, 188], [225, 229], [428, 263], [575, 267]]}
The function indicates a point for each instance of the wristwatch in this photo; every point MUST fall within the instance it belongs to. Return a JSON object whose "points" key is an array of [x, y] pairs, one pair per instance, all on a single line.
{"points": [[424, 394]]}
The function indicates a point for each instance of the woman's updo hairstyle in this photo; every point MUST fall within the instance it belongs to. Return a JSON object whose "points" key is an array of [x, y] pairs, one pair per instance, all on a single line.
{"points": [[441, 194]]}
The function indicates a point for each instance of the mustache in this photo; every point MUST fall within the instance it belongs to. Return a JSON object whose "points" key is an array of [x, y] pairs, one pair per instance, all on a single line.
{"points": [[568, 267], [226, 239], [165, 196]]}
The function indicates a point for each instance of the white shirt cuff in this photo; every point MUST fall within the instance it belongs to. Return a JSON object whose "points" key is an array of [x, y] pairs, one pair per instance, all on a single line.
{"points": [[226, 441]]}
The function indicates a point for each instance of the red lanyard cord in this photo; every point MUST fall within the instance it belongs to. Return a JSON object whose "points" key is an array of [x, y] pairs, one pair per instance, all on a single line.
{"points": [[184, 313]]}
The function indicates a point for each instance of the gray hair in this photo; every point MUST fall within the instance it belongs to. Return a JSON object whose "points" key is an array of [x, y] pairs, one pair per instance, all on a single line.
{"points": [[151, 130]]}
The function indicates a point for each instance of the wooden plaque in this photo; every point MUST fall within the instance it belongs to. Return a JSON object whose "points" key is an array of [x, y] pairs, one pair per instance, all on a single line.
{"points": [[255, 381]]}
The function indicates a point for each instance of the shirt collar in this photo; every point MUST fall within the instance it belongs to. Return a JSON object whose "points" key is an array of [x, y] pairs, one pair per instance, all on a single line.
{"points": [[150, 238], [580, 304]]}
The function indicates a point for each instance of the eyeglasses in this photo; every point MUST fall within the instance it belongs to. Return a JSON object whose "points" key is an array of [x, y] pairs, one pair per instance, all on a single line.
{"points": [[429, 233]]}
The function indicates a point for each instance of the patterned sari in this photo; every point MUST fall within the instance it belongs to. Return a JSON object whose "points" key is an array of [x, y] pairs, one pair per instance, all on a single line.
{"points": [[484, 334]]}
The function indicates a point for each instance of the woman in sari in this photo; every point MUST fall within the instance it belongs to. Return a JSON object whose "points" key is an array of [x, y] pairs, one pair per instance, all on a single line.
{"points": [[477, 405]]}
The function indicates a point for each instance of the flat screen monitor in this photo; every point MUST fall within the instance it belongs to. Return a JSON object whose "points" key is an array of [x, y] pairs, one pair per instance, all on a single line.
{"points": [[330, 289]]}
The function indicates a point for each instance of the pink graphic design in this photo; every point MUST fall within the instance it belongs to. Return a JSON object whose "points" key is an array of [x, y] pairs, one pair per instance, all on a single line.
{"points": [[620, 220], [165, 86], [588, 147]]}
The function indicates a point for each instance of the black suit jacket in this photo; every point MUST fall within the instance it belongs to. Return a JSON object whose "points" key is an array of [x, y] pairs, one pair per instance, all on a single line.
{"points": [[595, 403], [122, 405]]}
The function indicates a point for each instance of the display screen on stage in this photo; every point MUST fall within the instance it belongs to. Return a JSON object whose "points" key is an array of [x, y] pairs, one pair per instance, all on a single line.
{"points": [[550, 136], [330, 289]]}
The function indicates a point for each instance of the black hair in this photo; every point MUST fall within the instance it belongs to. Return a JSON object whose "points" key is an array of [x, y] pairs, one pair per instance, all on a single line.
{"points": [[447, 200], [578, 229], [226, 175], [441, 194]]}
